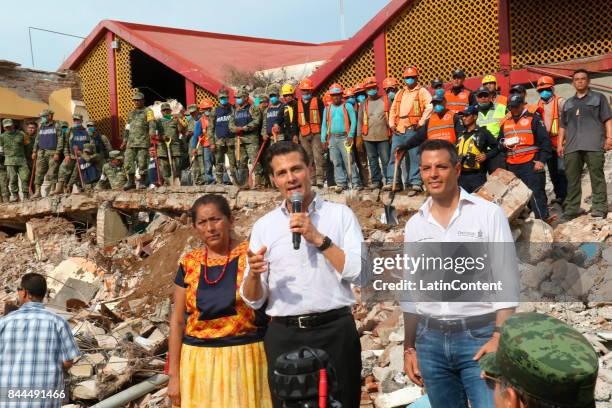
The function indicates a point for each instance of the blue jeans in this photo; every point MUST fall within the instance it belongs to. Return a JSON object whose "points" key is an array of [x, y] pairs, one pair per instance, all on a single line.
{"points": [[450, 375], [209, 178], [412, 158], [339, 157], [376, 151]]}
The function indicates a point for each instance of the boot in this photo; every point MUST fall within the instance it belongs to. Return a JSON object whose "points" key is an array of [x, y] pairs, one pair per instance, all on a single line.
{"points": [[36, 192], [59, 188], [51, 189], [129, 185]]}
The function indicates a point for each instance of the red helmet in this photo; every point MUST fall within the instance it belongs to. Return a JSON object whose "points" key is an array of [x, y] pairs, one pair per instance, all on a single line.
{"points": [[205, 104], [411, 71], [306, 84], [370, 82], [335, 89], [389, 83], [545, 82]]}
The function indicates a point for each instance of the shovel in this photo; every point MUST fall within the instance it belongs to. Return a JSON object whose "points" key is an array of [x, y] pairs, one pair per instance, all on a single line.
{"points": [[390, 214], [250, 179], [175, 182]]}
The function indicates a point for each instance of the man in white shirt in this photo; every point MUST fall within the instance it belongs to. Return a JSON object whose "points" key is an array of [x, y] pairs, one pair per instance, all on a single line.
{"points": [[308, 290], [444, 340]]}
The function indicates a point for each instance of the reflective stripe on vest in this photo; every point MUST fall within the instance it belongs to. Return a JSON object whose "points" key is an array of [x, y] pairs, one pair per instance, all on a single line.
{"points": [[467, 144], [313, 125], [416, 110], [442, 127], [492, 120], [459, 102], [554, 125], [347, 122], [365, 126], [525, 150]]}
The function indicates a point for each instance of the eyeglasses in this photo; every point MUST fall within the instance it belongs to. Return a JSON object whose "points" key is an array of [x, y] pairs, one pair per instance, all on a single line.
{"points": [[490, 380]]}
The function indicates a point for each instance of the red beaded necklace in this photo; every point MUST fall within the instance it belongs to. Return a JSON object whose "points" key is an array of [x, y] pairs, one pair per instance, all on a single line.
{"points": [[222, 272]]}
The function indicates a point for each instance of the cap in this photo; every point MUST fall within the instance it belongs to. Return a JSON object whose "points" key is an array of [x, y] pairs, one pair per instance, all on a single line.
{"points": [[89, 147], [410, 72], [482, 91], [51, 112], [370, 82], [545, 82], [77, 116], [488, 79], [438, 99], [242, 91], [470, 110], [64, 123], [515, 100], [7, 122], [165, 106], [138, 95], [192, 108], [436, 83], [273, 90], [223, 93], [458, 73], [90, 123], [518, 88], [45, 112], [545, 358]]}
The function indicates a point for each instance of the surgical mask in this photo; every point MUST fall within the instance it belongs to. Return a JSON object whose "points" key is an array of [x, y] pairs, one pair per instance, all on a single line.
{"points": [[484, 106], [372, 92], [167, 117], [91, 130], [438, 108], [410, 81], [391, 95], [361, 98], [43, 120], [77, 125], [274, 100], [188, 117], [207, 113], [439, 92], [256, 102], [223, 101], [351, 100], [546, 94], [239, 101], [306, 98]]}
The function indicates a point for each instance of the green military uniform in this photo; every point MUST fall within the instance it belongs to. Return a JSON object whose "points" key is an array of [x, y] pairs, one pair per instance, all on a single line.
{"points": [[249, 122], [102, 143], [48, 147], [4, 188], [113, 175], [29, 148], [170, 139], [13, 147], [68, 173], [140, 127], [196, 158], [223, 145], [545, 359], [94, 159]]}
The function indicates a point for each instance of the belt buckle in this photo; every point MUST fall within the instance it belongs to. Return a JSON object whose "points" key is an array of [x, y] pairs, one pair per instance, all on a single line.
{"points": [[300, 325]]}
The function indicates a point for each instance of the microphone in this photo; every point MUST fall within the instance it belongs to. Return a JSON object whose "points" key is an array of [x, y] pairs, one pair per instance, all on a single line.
{"points": [[296, 206]]}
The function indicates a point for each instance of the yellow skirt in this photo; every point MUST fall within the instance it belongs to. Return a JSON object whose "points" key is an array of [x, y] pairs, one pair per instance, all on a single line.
{"points": [[224, 377]]}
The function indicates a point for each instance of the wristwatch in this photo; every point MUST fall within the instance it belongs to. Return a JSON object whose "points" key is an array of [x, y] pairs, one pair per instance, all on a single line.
{"points": [[497, 329], [327, 242]]}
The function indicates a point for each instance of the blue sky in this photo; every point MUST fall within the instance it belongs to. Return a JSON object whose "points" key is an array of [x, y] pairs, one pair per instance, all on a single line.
{"points": [[298, 20]]}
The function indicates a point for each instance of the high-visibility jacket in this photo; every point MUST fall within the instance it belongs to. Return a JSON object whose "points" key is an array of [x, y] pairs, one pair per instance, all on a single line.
{"points": [[313, 125], [554, 126], [501, 100], [492, 120], [535, 109], [347, 121], [468, 144], [459, 102], [365, 125], [416, 110], [442, 127], [525, 150], [204, 138]]}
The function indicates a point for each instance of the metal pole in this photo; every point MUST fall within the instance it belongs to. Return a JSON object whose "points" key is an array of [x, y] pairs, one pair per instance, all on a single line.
{"points": [[48, 31], [31, 50], [130, 394], [342, 30]]}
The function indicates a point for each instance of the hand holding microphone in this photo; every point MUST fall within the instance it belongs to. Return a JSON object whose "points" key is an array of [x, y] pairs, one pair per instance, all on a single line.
{"points": [[300, 223]]}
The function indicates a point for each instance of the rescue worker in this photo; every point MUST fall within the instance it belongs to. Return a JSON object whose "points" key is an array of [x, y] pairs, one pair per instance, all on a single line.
{"points": [[47, 151], [458, 97], [221, 138], [290, 120], [309, 114], [4, 185], [77, 137], [196, 165], [490, 82], [30, 133], [139, 135], [409, 111], [476, 145], [373, 127], [349, 97], [531, 108], [527, 145], [360, 93], [103, 145], [13, 147], [169, 150], [273, 118], [90, 166], [390, 86], [113, 174], [551, 107], [338, 129], [438, 87], [204, 158], [490, 116], [244, 123]]}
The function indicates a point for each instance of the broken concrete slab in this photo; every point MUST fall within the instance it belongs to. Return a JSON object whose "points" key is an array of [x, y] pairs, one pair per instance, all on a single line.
{"points": [[116, 365], [86, 390], [110, 228], [106, 342], [75, 289], [81, 371], [399, 398], [506, 190], [43, 227], [77, 268], [535, 242]]}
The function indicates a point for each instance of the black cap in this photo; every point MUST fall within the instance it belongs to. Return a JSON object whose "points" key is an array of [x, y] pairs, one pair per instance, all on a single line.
{"points": [[437, 82], [515, 101], [438, 99], [518, 88], [470, 110], [482, 91], [458, 73]]}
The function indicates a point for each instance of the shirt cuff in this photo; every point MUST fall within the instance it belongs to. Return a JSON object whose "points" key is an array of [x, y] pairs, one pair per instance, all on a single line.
{"points": [[254, 304], [352, 268]]}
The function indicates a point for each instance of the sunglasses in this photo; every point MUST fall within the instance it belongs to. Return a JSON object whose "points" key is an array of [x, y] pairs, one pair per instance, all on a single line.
{"points": [[490, 380]]}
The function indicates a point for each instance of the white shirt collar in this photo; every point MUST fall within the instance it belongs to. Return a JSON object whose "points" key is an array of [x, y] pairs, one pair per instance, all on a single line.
{"points": [[464, 197], [315, 204]]}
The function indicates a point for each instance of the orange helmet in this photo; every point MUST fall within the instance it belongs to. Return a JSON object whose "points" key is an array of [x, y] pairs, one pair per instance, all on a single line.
{"points": [[411, 71], [306, 84], [545, 82], [335, 89], [348, 92], [359, 87], [370, 82], [389, 83], [205, 104]]}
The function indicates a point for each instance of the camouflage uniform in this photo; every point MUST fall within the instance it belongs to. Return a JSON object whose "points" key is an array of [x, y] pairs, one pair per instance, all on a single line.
{"points": [[139, 130], [545, 359], [196, 158], [12, 145], [90, 165], [113, 176], [48, 147], [103, 145], [169, 130], [248, 118], [4, 189], [77, 136], [222, 138]]}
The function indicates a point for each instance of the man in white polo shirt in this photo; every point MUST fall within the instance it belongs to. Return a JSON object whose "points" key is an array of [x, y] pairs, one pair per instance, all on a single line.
{"points": [[444, 340]]}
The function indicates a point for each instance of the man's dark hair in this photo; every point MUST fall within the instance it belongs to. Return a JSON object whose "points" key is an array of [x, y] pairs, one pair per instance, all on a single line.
{"points": [[581, 71], [32, 123], [215, 199], [281, 149], [533, 402], [439, 144], [35, 284]]}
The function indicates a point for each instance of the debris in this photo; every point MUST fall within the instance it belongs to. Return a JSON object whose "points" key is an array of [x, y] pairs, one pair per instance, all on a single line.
{"points": [[398, 398], [85, 390], [106, 342], [109, 226], [506, 190], [116, 366]]}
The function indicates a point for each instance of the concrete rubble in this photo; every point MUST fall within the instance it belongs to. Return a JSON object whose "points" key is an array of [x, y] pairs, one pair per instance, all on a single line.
{"points": [[111, 276]]}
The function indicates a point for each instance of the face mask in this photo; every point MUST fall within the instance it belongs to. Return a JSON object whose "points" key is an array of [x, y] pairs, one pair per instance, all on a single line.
{"points": [[484, 106], [223, 101], [361, 98], [546, 94], [391, 95], [43, 120], [207, 113], [306, 98], [439, 108], [351, 100], [256, 102], [439, 92], [167, 117], [274, 100], [77, 125], [188, 117], [372, 92], [409, 81], [91, 130], [239, 101]]}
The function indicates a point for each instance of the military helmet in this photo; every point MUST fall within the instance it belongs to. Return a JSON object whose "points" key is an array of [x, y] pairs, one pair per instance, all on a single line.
{"points": [[89, 147], [165, 106], [7, 122], [90, 123], [115, 154], [77, 116], [273, 89], [223, 93], [242, 92], [137, 95], [192, 108], [545, 358], [63, 123]]}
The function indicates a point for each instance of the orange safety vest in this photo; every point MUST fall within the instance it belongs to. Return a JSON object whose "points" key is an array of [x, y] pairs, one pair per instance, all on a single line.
{"points": [[314, 122], [347, 122], [535, 109], [442, 127], [554, 126], [459, 102], [525, 150], [204, 138], [365, 126], [416, 110], [501, 100]]}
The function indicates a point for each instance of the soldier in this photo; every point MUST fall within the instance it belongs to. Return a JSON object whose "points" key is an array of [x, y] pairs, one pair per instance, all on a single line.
{"points": [[13, 147], [30, 133], [273, 118], [103, 145], [76, 138], [244, 123], [541, 362], [4, 189], [47, 151], [139, 134], [90, 164], [222, 140], [113, 174], [170, 130]]}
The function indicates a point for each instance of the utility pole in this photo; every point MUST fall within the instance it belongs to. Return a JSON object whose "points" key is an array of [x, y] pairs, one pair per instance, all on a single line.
{"points": [[342, 29]]}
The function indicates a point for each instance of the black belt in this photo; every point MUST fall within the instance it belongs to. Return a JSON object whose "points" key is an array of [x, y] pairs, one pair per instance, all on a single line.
{"points": [[313, 319], [456, 325]]}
